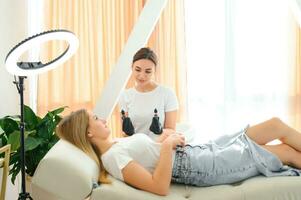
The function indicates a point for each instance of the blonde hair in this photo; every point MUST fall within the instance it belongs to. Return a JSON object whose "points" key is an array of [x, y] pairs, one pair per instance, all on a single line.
{"points": [[73, 128]]}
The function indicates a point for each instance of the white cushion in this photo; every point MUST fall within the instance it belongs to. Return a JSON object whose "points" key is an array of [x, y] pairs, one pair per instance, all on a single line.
{"points": [[65, 172]]}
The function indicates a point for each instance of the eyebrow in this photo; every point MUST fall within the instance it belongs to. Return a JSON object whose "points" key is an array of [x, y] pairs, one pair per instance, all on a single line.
{"points": [[140, 68]]}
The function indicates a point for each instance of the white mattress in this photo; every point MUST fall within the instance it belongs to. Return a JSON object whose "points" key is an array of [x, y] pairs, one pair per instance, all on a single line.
{"points": [[257, 188]]}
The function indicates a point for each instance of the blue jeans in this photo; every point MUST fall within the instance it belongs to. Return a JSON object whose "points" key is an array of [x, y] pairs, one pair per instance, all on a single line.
{"points": [[225, 161]]}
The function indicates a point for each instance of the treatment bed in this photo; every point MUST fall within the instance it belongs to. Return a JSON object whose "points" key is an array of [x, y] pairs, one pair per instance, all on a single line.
{"points": [[66, 173]]}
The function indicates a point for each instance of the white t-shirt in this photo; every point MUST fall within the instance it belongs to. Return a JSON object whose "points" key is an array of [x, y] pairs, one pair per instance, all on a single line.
{"points": [[141, 105], [138, 147]]}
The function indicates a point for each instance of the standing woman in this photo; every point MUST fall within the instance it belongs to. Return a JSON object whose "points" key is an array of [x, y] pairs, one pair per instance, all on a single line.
{"points": [[148, 98]]}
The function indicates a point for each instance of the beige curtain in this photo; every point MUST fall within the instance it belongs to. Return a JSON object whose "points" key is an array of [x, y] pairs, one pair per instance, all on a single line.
{"points": [[295, 79], [168, 41], [103, 28]]}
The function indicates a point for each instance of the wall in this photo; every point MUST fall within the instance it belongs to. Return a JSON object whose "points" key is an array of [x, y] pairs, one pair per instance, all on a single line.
{"points": [[13, 23]]}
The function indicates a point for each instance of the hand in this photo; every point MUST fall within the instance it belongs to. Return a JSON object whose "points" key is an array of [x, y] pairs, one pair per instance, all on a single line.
{"points": [[166, 132], [124, 134], [174, 140]]}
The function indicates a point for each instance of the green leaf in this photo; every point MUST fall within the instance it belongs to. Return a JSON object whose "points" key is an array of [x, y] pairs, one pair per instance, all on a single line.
{"points": [[59, 110], [48, 125], [14, 158], [4, 140], [53, 140], [30, 118], [30, 133], [31, 143], [1, 131], [14, 140], [39, 119], [14, 172], [8, 125], [42, 130], [57, 119], [39, 138]]}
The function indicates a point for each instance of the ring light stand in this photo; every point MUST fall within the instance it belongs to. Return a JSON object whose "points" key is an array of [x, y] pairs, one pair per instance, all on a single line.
{"points": [[24, 69]]}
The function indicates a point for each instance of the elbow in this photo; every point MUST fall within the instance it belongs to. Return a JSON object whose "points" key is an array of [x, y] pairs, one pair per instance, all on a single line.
{"points": [[163, 192]]}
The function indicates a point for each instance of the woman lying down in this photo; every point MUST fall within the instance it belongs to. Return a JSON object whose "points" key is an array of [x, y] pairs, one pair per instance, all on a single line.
{"points": [[152, 166]]}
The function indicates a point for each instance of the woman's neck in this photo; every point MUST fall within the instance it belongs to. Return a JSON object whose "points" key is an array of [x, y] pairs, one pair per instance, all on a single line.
{"points": [[146, 88], [104, 145]]}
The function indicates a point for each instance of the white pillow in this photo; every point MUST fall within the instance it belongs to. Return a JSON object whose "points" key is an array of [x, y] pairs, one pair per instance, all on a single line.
{"points": [[66, 172]]}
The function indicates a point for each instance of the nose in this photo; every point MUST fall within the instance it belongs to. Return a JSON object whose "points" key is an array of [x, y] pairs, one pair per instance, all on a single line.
{"points": [[104, 121], [142, 76]]}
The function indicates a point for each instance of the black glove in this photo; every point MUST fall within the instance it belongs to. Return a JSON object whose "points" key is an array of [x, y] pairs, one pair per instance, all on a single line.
{"points": [[127, 125], [156, 127]]}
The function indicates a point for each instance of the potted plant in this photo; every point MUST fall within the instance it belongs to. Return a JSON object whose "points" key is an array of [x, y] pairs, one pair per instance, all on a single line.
{"points": [[39, 138]]}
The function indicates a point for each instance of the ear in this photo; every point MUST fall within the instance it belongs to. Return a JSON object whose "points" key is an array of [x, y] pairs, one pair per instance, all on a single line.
{"points": [[90, 135]]}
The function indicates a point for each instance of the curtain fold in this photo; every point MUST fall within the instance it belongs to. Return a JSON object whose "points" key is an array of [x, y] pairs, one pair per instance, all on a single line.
{"points": [[294, 99], [168, 41], [103, 28]]}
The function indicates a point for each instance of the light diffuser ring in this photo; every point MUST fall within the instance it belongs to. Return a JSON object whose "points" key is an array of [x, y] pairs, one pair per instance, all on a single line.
{"points": [[11, 61]]}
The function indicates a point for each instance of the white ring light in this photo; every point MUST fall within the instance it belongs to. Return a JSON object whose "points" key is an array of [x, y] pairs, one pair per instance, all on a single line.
{"points": [[23, 69], [16, 68]]}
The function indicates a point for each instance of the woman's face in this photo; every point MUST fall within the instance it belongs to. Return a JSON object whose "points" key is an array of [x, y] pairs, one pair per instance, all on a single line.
{"points": [[98, 127], [143, 71]]}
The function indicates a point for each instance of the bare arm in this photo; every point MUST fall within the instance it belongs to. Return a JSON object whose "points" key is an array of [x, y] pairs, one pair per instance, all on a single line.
{"points": [[170, 120], [158, 182], [169, 125], [166, 132]]}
